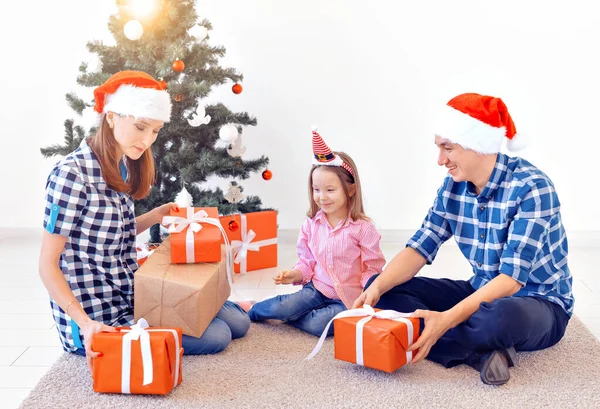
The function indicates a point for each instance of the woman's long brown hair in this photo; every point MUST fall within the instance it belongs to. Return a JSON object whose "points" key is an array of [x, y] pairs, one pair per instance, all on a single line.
{"points": [[140, 172], [354, 202]]}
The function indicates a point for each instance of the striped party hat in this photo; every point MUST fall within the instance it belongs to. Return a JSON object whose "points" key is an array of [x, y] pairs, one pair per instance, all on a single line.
{"points": [[323, 155]]}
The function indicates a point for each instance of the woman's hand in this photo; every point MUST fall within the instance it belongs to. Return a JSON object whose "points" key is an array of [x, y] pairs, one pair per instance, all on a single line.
{"points": [[288, 277], [88, 330], [165, 210]]}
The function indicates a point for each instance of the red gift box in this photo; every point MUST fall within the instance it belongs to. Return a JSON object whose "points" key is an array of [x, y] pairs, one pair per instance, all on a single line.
{"points": [[195, 235], [138, 360], [378, 339], [254, 242]]}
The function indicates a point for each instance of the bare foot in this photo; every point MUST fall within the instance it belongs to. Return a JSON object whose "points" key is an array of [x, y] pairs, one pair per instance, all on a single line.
{"points": [[246, 305]]}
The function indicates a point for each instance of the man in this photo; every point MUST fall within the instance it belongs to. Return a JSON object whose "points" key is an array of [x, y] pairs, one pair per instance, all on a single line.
{"points": [[505, 216]]}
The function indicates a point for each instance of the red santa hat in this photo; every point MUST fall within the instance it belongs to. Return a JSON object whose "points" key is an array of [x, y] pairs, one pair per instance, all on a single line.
{"points": [[134, 93], [479, 123], [325, 156]]}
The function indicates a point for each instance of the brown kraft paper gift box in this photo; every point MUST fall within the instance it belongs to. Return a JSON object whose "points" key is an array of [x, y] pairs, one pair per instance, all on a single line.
{"points": [[179, 295]]}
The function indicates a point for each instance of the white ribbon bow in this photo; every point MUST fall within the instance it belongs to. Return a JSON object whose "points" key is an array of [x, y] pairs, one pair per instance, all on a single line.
{"points": [[178, 224], [369, 313], [241, 247], [194, 220], [137, 332]]}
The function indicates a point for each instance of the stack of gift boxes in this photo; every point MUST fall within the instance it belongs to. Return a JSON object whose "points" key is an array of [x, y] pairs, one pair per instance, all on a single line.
{"points": [[180, 288], [186, 281], [183, 284]]}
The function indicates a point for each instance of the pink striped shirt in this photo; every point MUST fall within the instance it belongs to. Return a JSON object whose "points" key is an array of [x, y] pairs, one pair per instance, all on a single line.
{"points": [[339, 260]]}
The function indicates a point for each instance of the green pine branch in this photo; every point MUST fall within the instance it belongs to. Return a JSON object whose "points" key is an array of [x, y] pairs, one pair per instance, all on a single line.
{"points": [[184, 155], [73, 136]]}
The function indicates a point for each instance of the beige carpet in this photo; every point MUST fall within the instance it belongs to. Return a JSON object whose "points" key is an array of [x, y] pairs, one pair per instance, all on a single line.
{"points": [[266, 369]]}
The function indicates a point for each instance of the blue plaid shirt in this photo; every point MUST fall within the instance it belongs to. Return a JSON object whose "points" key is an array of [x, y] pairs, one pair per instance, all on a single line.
{"points": [[513, 227], [99, 258]]}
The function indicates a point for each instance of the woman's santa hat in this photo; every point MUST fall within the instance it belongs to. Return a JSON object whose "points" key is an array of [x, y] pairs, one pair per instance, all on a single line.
{"points": [[479, 123], [323, 155], [134, 93]]}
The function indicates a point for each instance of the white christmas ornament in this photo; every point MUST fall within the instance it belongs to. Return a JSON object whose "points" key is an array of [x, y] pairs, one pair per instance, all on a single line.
{"points": [[199, 117], [133, 30], [168, 145], [172, 178], [236, 149], [184, 199], [234, 194], [198, 32], [228, 133]]}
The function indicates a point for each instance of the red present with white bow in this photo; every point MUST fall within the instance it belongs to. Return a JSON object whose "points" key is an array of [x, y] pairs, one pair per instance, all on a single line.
{"points": [[196, 235], [253, 238], [378, 339], [138, 360]]}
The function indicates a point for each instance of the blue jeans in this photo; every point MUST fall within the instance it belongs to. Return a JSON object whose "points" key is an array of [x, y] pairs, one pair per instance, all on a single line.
{"points": [[525, 323], [307, 309], [230, 323]]}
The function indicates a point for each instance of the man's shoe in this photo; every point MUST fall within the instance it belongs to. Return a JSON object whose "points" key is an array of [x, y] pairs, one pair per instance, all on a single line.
{"points": [[494, 370]]}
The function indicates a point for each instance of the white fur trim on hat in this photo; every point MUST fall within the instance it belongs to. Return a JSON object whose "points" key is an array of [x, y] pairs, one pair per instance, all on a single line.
{"points": [[469, 132], [139, 102], [518, 142]]}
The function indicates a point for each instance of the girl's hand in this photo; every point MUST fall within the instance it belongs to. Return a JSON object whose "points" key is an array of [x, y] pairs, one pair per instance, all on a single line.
{"points": [[288, 277], [88, 330]]}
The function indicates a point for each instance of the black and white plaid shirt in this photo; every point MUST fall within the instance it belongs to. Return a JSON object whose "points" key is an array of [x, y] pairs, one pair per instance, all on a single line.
{"points": [[99, 258]]}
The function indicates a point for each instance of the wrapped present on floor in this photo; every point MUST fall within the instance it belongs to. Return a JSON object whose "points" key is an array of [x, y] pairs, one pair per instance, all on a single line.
{"points": [[253, 238], [378, 339], [140, 360], [188, 296], [196, 235]]}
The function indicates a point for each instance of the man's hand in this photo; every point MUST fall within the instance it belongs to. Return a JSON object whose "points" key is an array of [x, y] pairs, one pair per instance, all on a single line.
{"points": [[370, 296], [436, 325]]}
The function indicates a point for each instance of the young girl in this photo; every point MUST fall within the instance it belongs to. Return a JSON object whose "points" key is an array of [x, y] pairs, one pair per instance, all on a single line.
{"points": [[338, 248], [88, 254]]}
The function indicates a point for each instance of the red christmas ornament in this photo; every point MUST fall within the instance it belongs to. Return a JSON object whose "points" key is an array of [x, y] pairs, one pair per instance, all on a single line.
{"points": [[237, 89], [233, 225], [178, 65], [267, 174], [178, 97]]}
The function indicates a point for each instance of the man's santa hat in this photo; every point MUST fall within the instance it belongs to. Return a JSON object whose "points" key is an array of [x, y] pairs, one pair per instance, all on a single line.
{"points": [[325, 156], [134, 93], [479, 123]]}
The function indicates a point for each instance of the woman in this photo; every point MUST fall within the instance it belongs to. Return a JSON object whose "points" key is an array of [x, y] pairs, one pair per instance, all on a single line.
{"points": [[88, 254]]}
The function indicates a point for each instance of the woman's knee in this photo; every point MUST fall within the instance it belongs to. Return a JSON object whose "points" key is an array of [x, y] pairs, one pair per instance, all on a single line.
{"points": [[239, 327], [236, 319], [215, 339]]}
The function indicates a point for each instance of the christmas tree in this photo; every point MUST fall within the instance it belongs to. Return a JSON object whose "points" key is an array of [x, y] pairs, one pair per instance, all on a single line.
{"points": [[166, 39]]}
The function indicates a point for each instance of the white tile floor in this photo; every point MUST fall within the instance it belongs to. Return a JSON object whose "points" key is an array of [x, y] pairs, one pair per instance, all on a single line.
{"points": [[29, 344]]}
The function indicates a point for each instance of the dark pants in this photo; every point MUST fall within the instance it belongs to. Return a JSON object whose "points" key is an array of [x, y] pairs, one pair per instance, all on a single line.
{"points": [[525, 323]]}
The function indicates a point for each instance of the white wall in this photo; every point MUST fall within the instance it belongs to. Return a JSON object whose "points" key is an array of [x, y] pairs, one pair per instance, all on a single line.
{"points": [[370, 74]]}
